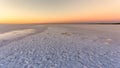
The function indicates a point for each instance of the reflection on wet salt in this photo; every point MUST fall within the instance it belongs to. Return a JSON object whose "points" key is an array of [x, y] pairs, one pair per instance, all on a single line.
{"points": [[67, 33], [108, 41], [16, 34]]}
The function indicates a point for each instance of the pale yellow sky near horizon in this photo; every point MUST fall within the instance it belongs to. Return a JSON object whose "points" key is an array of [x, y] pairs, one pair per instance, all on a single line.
{"points": [[48, 11]]}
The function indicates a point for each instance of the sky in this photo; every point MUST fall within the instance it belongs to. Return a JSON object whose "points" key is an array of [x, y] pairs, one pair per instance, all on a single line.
{"points": [[59, 11]]}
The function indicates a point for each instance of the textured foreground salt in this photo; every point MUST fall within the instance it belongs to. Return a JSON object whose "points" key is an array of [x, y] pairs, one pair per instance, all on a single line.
{"points": [[64, 47]]}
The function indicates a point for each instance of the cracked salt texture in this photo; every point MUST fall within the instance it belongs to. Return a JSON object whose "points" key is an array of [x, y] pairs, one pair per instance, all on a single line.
{"points": [[51, 49]]}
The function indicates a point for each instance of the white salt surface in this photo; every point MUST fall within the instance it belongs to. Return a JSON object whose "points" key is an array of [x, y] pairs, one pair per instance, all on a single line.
{"points": [[62, 46]]}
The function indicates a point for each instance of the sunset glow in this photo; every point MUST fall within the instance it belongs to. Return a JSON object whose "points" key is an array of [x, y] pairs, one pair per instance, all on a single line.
{"points": [[107, 10]]}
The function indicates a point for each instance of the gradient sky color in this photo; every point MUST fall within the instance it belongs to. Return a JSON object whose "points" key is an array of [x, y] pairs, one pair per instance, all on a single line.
{"points": [[54, 11]]}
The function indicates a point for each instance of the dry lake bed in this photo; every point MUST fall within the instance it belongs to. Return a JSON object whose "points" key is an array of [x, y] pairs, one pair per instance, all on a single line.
{"points": [[60, 46]]}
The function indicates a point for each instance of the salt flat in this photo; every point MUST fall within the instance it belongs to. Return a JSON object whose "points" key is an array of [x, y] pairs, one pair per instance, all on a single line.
{"points": [[60, 46]]}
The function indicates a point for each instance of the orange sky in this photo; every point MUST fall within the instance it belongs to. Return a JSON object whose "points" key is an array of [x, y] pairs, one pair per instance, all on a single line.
{"points": [[108, 10]]}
